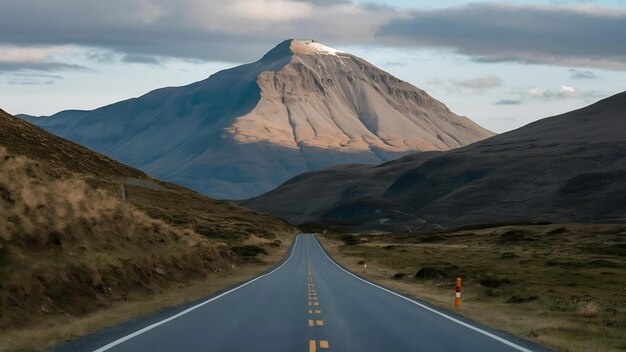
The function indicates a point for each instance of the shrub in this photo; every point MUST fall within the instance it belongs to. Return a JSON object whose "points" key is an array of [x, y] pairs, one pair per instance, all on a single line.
{"points": [[509, 255], [350, 240], [522, 299], [557, 231], [248, 250], [429, 273], [398, 276], [494, 282], [513, 236]]}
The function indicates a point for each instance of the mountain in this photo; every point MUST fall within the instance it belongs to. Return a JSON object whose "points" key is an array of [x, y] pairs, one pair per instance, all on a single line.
{"points": [[566, 168], [80, 231], [243, 131]]}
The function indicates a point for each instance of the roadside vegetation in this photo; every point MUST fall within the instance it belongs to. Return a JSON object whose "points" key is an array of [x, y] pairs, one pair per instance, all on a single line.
{"points": [[79, 252], [563, 286]]}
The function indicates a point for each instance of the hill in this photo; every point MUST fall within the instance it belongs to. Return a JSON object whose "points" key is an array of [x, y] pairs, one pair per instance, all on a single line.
{"points": [[73, 240], [566, 168]]}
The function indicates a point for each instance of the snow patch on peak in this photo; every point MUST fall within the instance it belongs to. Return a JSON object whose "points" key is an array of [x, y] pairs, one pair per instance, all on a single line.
{"points": [[311, 46], [320, 48]]}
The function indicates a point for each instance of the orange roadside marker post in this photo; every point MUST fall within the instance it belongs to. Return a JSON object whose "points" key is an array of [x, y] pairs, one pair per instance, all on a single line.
{"points": [[457, 295]]}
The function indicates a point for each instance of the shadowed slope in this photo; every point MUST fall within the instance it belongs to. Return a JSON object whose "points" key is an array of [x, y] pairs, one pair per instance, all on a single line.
{"points": [[567, 168]]}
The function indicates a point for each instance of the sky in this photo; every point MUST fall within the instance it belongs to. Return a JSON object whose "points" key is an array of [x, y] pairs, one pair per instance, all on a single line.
{"points": [[501, 63]]}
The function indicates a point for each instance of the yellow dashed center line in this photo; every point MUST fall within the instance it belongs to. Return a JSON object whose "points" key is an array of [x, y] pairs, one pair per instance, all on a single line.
{"points": [[313, 345], [317, 322], [313, 301]]}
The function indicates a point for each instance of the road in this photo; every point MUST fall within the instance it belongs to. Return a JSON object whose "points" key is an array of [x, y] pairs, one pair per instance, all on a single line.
{"points": [[308, 303]]}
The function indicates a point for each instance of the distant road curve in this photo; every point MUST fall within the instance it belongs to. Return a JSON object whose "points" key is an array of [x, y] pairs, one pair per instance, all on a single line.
{"points": [[307, 303]]}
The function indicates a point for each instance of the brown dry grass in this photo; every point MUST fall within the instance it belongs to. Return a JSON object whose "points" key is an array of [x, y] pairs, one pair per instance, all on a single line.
{"points": [[74, 257], [563, 286], [54, 328], [214, 219]]}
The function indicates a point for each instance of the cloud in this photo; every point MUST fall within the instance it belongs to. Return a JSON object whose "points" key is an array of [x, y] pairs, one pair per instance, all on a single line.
{"points": [[578, 74], [32, 54], [149, 12], [36, 58], [101, 57], [21, 78], [271, 10], [395, 64], [142, 59], [479, 83], [217, 30], [578, 36], [28, 81], [243, 30], [12, 67], [508, 119], [37, 75], [562, 93], [508, 102]]}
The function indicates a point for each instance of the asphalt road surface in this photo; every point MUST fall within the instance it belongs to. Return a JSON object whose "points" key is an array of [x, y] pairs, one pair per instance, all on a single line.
{"points": [[308, 303]]}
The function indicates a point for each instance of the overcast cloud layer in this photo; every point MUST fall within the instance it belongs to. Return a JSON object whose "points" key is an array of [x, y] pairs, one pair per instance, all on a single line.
{"points": [[502, 63], [241, 30], [567, 36]]}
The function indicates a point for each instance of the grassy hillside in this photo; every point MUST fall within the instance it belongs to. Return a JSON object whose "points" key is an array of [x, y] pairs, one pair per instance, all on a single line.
{"points": [[70, 244], [559, 285]]}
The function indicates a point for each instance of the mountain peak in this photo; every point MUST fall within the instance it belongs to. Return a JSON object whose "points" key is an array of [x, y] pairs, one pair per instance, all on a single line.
{"points": [[290, 47], [311, 46], [304, 106]]}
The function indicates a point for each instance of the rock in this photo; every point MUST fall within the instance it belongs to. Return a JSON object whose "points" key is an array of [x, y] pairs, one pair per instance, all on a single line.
{"points": [[429, 273], [159, 270]]}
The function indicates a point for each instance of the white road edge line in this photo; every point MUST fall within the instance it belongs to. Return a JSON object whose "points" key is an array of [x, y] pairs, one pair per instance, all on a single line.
{"points": [[469, 326], [150, 327]]}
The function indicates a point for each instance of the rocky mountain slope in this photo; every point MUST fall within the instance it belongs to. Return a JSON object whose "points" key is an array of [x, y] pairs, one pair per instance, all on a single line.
{"points": [[72, 240], [245, 130], [566, 168]]}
